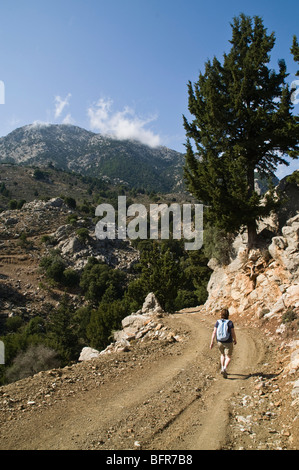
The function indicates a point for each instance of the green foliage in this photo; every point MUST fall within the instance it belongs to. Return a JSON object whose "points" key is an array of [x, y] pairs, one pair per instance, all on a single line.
{"points": [[71, 202], [171, 274], [98, 277], [104, 320], [293, 178], [12, 324], [56, 271], [54, 267], [3, 190], [61, 335], [295, 52], [39, 174], [242, 122], [217, 244], [83, 234], [71, 278], [13, 204]]}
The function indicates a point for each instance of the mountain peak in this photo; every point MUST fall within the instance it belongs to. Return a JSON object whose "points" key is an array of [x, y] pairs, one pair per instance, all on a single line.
{"points": [[73, 148]]}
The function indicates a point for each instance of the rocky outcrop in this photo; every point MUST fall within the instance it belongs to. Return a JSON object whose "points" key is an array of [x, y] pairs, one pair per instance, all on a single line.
{"points": [[263, 282], [34, 217], [143, 325], [76, 252], [284, 249]]}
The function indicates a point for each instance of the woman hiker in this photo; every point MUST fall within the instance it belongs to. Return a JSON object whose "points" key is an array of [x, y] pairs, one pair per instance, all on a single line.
{"points": [[224, 332]]}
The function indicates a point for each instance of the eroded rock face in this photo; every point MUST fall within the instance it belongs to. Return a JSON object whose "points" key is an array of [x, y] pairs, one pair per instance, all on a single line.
{"points": [[261, 282]]}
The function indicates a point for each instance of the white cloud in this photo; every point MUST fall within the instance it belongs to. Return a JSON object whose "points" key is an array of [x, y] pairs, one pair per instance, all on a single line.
{"points": [[121, 124], [60, 104], [38, 124], [68, 119]]}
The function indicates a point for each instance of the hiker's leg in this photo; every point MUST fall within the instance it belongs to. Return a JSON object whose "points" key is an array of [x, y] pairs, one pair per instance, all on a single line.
{"points": [[227, 361], [222, 352], [229, 352]]}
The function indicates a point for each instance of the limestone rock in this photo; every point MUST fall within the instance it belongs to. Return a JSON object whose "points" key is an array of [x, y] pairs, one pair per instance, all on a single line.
{"points": [[141, 325], [259, 281], [151, 304], [88, 353]]}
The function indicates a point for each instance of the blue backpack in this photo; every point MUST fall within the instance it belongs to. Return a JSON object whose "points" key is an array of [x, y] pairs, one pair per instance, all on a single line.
{"points": [[222, 330]]}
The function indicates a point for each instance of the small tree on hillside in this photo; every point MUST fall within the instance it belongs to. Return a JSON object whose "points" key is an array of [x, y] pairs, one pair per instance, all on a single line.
{"points": [[242, 123]]}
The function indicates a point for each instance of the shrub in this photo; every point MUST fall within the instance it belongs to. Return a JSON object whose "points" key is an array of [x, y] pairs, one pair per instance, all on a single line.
{"points": [[33, 360], [104, 320], [54, 267], [97, 277], [289, 316], [70, 278], [12, 324], [39, 174], [70, 202], [83, 234], [13, 204]]}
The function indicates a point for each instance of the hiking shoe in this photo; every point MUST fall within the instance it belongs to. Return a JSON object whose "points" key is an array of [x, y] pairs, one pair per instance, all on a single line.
{"points": [[223, 372]]}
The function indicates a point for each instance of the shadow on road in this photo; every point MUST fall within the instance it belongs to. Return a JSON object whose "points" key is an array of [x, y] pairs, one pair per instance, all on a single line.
{"points": [[231, 376]]}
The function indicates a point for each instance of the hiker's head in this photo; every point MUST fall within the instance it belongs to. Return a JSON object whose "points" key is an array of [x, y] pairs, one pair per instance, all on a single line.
{"points": [[224, 313]]}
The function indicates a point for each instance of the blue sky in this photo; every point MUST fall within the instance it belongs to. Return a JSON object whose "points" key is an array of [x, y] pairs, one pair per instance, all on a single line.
{"points": [[121, 66]]}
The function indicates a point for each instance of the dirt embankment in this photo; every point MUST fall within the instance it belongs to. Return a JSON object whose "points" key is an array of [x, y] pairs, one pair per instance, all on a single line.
{"points": [[159, 395]]}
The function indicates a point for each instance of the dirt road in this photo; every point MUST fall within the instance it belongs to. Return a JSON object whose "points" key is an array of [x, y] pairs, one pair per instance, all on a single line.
{"points": [[154, 397]]}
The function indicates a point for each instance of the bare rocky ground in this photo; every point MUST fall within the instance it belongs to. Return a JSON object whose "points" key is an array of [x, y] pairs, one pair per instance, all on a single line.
{"points": [[160, 395]]}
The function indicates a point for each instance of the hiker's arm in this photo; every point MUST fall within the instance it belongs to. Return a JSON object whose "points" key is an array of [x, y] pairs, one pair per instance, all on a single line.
{"points": [[213, 337], [234, 335]]}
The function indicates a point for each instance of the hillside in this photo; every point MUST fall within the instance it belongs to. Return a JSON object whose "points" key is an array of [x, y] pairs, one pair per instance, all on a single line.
{"points": [[75, 149], [157, 384]]}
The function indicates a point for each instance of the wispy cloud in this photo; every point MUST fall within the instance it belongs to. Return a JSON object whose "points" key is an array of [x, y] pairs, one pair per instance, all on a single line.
{"points": [[68, 119], [60, 104], [121, 124]]}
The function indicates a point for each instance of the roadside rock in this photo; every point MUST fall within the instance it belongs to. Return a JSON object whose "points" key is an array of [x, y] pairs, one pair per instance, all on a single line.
{"points": [[151, 305], [146, 324], [88, 353]]}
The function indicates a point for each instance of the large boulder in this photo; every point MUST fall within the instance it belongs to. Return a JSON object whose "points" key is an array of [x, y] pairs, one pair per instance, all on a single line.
{"points": [[88, 353], [151, 305]]}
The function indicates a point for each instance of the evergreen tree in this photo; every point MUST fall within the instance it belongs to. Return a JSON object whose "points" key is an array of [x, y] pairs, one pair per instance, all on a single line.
{"points": [[160, 274], [242, 123], [295, 51], [61, 336]]}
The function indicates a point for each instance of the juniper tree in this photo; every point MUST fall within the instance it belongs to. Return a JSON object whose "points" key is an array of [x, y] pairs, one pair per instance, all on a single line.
{"points": [[242, 123], [295, 51]]}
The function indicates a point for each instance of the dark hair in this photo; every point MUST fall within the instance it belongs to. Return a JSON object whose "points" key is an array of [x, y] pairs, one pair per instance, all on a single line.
{"points": [[224, 313]]}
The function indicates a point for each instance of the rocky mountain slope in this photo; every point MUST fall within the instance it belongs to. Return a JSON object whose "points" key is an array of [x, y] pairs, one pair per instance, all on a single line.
{"points": [[75, 149]]}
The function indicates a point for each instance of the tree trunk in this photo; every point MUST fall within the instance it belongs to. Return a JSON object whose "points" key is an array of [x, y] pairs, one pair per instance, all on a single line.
{"points": [[251, 226], [252, 235]]}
